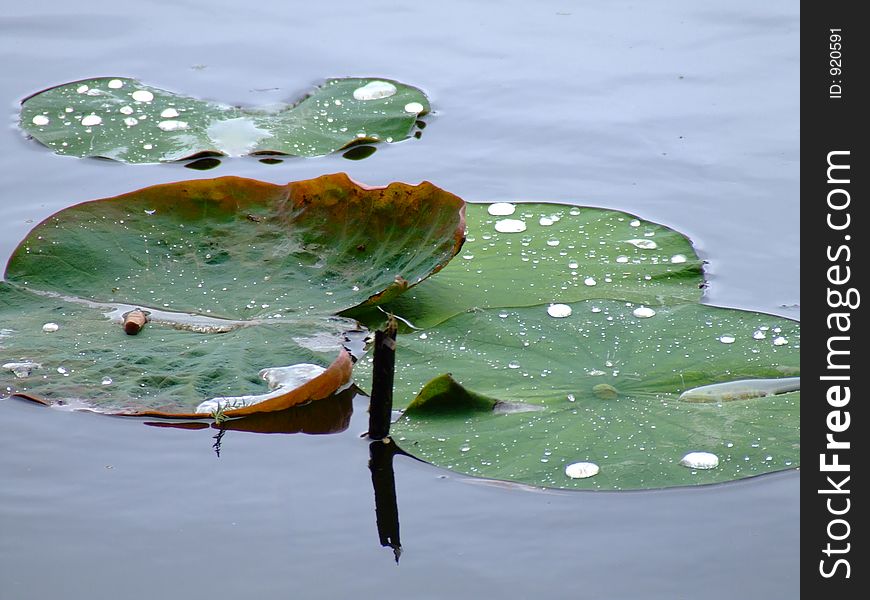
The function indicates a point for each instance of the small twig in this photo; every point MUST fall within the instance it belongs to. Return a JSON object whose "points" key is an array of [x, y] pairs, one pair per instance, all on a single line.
{"points": [[135, 320]]}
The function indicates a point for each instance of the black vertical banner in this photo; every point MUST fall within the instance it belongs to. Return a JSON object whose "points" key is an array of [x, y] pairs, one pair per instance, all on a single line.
{"points": [[835, 229]]}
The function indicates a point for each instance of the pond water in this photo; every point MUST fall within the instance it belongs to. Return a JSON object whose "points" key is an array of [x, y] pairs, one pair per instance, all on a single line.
{"points": [[685, 114]]}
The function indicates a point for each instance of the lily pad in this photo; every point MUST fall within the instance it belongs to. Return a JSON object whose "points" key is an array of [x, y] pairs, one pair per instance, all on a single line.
{"points": [[125, 120], [607, 387], [562, 254], [237, 276], [570, 334]]}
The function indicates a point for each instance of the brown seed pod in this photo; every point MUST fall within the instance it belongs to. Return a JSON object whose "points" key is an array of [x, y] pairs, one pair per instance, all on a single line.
{"points": [[135, 320]]}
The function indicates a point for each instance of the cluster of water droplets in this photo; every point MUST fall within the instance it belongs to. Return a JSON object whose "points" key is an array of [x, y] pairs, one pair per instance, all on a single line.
{"points": [[125, 120]]}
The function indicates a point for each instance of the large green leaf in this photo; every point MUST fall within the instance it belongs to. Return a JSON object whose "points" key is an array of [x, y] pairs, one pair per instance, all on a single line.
{"points": [[605, 386], [125, 120], [238, 276], [562, 254], [571, 341]]}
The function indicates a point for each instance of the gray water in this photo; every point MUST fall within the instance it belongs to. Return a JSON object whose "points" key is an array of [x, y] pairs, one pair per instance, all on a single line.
{"points": [[684, 113]]}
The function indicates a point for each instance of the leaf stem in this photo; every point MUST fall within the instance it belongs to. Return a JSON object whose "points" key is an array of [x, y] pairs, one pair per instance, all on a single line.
{"points": [[383, 370]]}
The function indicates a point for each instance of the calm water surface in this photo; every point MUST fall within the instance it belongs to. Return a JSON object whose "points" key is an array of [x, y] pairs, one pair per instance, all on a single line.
{"points": [[684, 113]]}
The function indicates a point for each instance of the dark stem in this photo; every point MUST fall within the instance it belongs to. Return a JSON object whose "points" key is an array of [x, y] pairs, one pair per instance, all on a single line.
{"points": [[381, 403], [383, 480]]}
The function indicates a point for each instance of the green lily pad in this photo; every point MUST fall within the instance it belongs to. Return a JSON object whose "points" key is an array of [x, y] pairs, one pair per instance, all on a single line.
{"points": [[570, 334], [562, 254], [128, 121], [606, 384], [237, 275]]}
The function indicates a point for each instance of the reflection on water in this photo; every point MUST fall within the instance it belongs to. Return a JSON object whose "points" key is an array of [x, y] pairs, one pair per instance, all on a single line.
{"points": [[203, 164], [359, 152], [328, 415], [381, 453]]}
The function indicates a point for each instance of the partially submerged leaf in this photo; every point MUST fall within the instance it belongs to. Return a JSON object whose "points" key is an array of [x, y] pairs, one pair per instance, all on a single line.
{"points": [[237, 276], [443, 395], [608, 383], [128, 121]]}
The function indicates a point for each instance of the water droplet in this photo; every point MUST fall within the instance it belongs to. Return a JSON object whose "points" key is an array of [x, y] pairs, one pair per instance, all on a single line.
{"points": [[513, 365], [147, 146], [635, 223], [414, 107], [126, 110], [643, 312], [780, 341], [172, 125], [501, 209], [82, 89], [510, 226], [559, 311], [143, 96], [571, 398], [581, 470], [40, 120], [131, 121], [759, 335], [92, 120], [467, 256], [465, 448], [590, 281], [573, 265], [644, 244], [727, 339], [545, 221], [106, 381], [622, 259], [423, 336], [502, 315], [678, 258], [169, 113], [62, 370], [595, 309], [115, 84], [574, 212], [700, 460], [553, 242], [50, 327], [375, 90]]}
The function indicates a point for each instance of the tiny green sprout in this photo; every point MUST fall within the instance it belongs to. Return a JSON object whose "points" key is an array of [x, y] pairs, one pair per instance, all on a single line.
{"points": [[219, 414]]}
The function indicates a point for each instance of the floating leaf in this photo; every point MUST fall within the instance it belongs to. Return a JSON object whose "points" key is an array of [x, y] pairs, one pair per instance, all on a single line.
{"points": [[591, 317], [608, 384], [128, 121], [237, 276], [563, 254]]}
